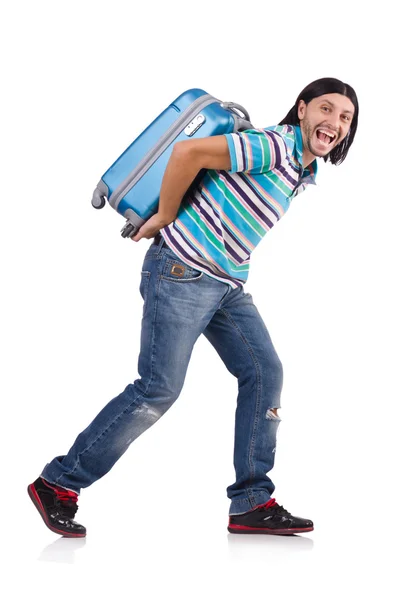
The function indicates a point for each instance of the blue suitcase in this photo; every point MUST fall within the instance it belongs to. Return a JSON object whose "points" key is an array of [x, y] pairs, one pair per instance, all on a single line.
{"points": [[132, 183]]}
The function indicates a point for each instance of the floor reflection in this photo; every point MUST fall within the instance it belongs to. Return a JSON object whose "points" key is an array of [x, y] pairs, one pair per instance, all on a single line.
{"points": [[241, 543], [63, 550]]}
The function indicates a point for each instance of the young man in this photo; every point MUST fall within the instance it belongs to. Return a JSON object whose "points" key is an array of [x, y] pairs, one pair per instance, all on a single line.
{"points": [[192, 283]]}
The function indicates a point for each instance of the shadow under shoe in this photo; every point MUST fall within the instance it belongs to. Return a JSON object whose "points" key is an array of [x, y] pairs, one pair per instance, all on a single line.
{"points": [[57, 507], [269, 518]]}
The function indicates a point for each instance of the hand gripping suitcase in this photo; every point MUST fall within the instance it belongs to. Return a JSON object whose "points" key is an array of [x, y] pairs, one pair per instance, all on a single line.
{"points": [[132, 183]]}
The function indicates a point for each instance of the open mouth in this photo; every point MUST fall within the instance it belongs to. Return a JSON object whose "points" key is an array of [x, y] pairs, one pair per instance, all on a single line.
{"points": [[325, 137]]}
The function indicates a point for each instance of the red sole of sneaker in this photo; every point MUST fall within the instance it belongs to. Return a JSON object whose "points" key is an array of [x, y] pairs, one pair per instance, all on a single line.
{"points": [[245, 529], [36, 501]]}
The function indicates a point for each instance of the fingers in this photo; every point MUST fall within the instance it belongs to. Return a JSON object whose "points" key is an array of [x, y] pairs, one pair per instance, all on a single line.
{"points": [[141, 235]]}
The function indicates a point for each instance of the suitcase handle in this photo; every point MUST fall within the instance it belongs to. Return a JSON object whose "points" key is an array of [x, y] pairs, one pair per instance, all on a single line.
{"points": [[240, 123], [232, 106]]}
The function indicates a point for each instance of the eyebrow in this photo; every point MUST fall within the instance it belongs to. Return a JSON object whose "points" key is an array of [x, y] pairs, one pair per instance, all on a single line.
{"points": [[333, 105]]}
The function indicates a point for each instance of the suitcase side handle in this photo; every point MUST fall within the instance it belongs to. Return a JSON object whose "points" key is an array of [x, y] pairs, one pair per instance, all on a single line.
{"points": [[240, 123], [232, 106]]}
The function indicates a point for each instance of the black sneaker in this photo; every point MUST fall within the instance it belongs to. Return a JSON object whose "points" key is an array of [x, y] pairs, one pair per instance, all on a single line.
{"points": [[268, 518], [57, 507]]}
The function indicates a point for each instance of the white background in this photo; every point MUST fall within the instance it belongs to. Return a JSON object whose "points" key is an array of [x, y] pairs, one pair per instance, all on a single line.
{"points": [[80, 80]]}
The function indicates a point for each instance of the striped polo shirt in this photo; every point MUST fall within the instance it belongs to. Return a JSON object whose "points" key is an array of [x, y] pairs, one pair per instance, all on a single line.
{"points": [[222, 219]]}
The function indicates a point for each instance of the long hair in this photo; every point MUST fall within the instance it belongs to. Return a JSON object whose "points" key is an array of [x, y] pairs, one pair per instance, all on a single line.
{"points": [[327, 85]]}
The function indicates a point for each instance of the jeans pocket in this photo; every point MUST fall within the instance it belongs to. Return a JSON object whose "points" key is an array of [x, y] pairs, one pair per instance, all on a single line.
{"points": [[179, 272], [143, 289]]}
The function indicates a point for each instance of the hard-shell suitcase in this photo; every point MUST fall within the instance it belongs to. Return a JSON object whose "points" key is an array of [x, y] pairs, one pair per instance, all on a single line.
{"points": [[132, 183]]}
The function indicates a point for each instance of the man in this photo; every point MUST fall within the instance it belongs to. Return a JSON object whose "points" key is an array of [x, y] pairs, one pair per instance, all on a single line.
{"points": [[192, 283]]}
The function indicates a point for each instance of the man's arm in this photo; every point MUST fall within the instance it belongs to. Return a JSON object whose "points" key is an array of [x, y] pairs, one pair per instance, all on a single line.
{"points": [[253, 151], [187, 159]]}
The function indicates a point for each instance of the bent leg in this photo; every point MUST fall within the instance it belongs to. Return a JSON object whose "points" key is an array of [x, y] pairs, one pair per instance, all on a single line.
{"points": [[176, 311]]}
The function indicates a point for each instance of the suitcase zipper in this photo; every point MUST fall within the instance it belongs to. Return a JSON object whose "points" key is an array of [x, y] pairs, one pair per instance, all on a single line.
{"points": [[166, 139]]}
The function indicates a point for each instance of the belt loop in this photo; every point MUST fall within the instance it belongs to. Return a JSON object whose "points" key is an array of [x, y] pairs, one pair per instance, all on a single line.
{"points": [[159, 241]]}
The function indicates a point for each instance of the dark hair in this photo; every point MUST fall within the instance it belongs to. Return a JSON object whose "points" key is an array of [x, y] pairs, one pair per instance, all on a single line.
{"points": [[327, 85]]}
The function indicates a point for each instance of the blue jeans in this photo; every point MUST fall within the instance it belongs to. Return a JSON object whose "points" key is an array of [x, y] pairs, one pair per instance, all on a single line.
{"points": [[180, 304]]}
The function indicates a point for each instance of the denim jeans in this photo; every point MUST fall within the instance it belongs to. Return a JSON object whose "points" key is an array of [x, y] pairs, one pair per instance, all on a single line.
{"points": [[180, 304]]}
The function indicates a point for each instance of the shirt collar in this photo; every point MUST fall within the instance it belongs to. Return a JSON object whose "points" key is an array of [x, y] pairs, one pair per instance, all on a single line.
{"points": [[310, 172]]}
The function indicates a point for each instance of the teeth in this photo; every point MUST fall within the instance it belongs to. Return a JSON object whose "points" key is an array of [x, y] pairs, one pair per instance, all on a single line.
{"points": [[331, 135]]}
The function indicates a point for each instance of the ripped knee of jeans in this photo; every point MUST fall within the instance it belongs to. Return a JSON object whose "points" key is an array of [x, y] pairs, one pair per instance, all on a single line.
{"points": [[271, 414]]}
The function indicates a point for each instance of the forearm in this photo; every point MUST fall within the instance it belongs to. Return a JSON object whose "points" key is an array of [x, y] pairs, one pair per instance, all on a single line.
{"points": [[181, 171]]}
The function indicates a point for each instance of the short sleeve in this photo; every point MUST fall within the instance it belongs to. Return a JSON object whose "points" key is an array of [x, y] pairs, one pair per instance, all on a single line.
{"points": [[255, 150]]}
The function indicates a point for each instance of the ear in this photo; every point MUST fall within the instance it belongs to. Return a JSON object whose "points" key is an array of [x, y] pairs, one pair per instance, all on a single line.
{"points": [[301, 109]]}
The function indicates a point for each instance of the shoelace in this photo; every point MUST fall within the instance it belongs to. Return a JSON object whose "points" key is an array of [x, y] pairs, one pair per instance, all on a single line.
{"points": [[65, 495], [68, 501], [277, 508]]}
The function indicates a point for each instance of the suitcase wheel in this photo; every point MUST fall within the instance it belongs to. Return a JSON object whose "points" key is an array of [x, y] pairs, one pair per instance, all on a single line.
{"points": [[128, 229], [98, 201]]}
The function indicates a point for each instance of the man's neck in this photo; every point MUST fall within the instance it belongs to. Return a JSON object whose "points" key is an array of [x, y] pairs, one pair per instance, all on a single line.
{"points": [[307, 158]]}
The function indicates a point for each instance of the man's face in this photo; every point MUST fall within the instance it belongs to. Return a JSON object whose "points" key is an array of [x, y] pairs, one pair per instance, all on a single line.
{"points": [[332, 113]]}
